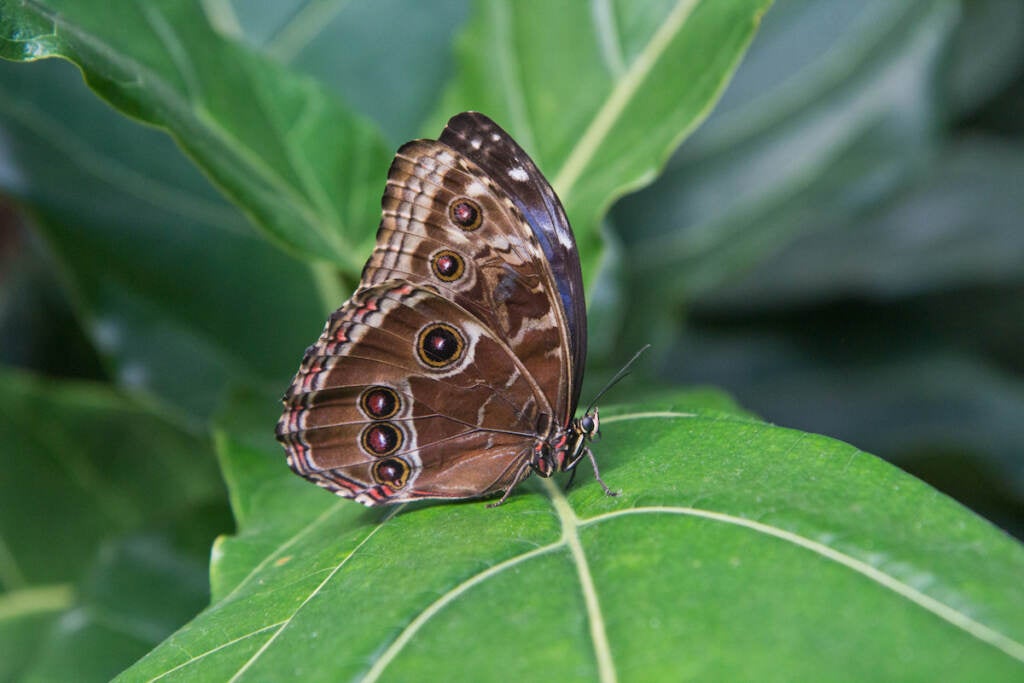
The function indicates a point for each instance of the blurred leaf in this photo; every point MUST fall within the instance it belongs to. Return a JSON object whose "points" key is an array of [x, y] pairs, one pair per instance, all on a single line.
{"points": [[959, 224], [397, 53], [26, 615], [854, 562], [38, 328], [166, 275], [987, 52], [273, 141], [860, 384], [95, 464], [833, 109], [82, 466], [599, 94], [140, 590]]}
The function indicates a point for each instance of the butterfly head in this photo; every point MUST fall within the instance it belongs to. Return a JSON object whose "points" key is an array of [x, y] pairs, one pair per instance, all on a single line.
{"points": [[589, 425]]}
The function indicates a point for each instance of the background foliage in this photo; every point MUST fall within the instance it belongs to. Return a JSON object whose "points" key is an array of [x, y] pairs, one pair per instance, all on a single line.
{"points": [[838, 246]]}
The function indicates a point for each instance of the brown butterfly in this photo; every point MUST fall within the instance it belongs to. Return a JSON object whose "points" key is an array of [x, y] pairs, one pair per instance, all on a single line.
{"points": [[455, 368]]}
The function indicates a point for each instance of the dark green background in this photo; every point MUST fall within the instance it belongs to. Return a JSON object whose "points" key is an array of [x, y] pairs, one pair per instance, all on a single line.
{"points": [[838, 247]]}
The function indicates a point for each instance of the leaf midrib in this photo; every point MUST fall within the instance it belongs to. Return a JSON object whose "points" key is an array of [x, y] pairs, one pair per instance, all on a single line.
{"points": [[620, 96]]}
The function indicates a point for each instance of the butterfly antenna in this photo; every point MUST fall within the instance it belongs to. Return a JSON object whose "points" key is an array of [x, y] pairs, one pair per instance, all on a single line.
{"points": [[623, 371]]}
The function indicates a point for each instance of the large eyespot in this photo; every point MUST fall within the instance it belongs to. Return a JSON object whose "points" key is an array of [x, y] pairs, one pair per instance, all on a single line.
{"points": [[439, 345], [379, 402], [447, 265], [381, 438], [465, 213], [393, 472]]}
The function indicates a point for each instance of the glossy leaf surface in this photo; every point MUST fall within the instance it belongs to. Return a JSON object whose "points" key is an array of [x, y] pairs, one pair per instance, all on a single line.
{"points": [[730, 534]]}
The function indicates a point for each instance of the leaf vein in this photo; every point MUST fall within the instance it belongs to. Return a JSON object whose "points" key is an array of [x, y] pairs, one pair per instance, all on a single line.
{"points": [[284, 624], [570, 536], [194, 658], [945, 612], [413, 627], [621, 95]]}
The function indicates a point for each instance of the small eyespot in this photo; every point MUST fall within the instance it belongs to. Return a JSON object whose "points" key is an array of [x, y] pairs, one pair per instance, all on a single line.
{"points": [[447, 265], [465, 213], [379, 402], [439, 345], [381, 438], [392, 471]]}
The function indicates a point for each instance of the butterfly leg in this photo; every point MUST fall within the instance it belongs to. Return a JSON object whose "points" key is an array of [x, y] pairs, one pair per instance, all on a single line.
{"points": [[572, 477], [522, 473], [597, 474]]}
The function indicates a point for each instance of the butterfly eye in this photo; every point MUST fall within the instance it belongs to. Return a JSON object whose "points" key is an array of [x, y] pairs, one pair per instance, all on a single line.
{"points": [[465, 213], [439, 345], [381, 438], [447, 265], [379, 402], [393, 472]]}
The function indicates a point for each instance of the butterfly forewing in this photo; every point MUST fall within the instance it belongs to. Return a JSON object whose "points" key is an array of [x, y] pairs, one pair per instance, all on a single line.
{"points": [[510, 167], [446, 224]]}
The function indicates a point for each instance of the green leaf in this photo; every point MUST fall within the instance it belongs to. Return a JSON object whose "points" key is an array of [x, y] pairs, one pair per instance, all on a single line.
{"points": [[599, 94], [836, 107], [96, 464], [987, 52], [38, 327], [736, 550], [163, 272], [272, 140], [956, 225], [26, 615], [387, 59], [140, 589], [83, 468]]}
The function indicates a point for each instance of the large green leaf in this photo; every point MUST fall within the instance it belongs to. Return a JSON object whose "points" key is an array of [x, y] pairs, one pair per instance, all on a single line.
{"points": [[736, 550], [599, 94], [96, 464], [306, 169]]}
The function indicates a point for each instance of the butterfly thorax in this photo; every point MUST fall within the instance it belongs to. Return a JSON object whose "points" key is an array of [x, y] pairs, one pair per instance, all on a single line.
{"points": [[562, 450]]}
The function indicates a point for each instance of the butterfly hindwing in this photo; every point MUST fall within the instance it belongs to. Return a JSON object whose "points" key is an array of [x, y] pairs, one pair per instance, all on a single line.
{"points": [[371, 406]]}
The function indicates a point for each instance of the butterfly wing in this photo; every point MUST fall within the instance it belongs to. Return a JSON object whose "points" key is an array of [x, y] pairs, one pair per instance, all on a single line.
{"points": [[474, 254], [406, 395]]}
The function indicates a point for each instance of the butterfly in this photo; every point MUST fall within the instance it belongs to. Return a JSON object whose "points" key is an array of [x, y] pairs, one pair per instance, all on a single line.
{"points": [[454, 371]]}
